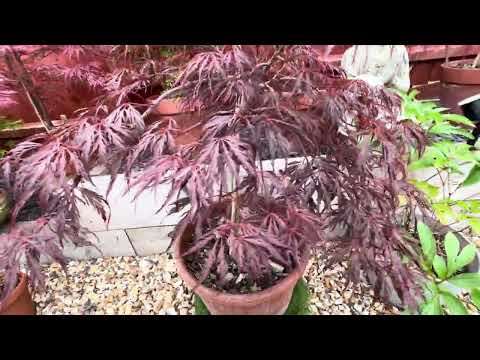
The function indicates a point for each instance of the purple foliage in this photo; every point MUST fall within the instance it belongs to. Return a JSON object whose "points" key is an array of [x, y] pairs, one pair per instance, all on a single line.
{"points": [[265, 102], [52, 167]]}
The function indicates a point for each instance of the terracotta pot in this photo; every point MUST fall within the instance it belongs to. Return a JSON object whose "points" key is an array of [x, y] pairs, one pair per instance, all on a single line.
{"points": [[20, 301], [459, 75], [272, 301], [185, 120]]}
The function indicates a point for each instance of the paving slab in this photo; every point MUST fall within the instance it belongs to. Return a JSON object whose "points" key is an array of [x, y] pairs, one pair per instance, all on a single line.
{"points": [[125, 212], [110, 243], [150, 240]]}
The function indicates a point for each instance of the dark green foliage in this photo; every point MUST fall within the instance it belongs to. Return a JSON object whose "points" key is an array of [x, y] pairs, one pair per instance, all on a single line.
{"points": [[300, 299], [443, 272], [200, 308]]}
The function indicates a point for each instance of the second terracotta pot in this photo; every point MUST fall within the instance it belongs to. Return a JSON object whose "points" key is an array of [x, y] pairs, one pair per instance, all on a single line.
{"points": [[271, 301], [455, 73], [20, 301], [186, 120]]}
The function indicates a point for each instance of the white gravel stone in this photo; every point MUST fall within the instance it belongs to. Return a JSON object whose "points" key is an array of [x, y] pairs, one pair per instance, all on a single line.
{"points": [[151, 285]]}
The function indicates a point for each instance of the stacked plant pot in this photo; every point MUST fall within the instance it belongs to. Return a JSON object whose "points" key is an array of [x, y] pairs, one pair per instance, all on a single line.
{"points": [[459, 82]]}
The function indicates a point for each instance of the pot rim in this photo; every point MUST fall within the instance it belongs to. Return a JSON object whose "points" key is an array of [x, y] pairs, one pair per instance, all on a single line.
{"points": [[16, 293], [469, 100], [260, 296], [464, 61]]}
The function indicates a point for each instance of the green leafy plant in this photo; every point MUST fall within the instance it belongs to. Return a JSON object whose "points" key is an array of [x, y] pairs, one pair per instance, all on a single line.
{"points": [[9, 123], [443, 273], [447, 157], [433, 118], [6, 124]]}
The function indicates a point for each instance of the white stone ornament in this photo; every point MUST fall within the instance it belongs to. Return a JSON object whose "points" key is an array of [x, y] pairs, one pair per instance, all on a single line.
{"points": [[386, 65]]}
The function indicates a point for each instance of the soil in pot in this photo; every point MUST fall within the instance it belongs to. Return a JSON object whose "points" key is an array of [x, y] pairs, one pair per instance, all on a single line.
{"points": [[236, 282], [270, 296]]}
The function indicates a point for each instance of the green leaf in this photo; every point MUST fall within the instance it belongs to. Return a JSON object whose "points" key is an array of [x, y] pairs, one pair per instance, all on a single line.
{"points": [[454, 305], [432, 307], [466, 256], [460, 119], [9, 123], [452, 247], [472, 206], [441, 109], [466, 281], [462, 152], [475, 295], [429, 190], [413, 94], [444, 212], [475, 225], [448, 129], [473, 177], [430, 288], [440, 267], [433, 156], [427, 242], [420, 164]]}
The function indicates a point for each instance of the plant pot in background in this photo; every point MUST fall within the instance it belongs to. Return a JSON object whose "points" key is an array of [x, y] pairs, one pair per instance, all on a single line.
{"points": [[271, 301], [455, 72], [457, 83], [185, 120], [20, 300]]}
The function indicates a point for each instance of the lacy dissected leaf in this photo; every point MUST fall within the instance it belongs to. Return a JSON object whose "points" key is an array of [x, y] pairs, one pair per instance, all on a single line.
{"points": [[27, 242], [274, 102]]}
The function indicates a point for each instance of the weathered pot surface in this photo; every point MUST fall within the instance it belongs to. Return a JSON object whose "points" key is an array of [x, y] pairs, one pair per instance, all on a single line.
{"points": [[271, 301], [20, 300]]}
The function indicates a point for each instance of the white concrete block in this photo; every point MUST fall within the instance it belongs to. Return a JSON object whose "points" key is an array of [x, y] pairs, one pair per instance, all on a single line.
{"points": [[150, 240], [126, 213]]}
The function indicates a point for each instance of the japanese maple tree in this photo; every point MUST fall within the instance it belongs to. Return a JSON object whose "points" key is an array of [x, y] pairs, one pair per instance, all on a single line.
{"points": [[345, 159], [112, 85]]}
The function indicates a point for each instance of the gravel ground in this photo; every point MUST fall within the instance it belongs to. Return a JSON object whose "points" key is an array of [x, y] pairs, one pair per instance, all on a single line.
{"points": [[150, 285]]}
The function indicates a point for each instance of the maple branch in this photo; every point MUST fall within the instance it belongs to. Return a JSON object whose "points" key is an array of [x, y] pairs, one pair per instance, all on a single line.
{"points": [[13, 60]]}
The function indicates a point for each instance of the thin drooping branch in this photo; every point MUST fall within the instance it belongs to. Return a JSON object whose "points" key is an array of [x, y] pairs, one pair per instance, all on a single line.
{"points": [[167, 94], [16, 66]]}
